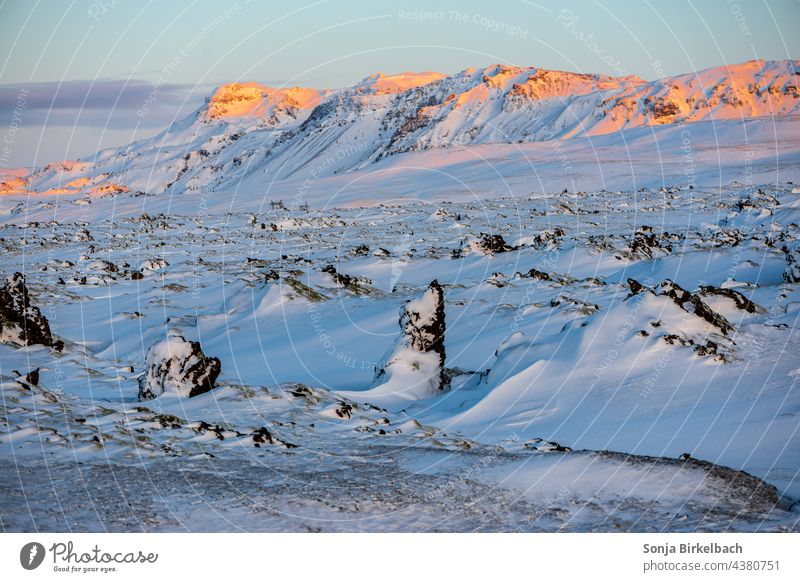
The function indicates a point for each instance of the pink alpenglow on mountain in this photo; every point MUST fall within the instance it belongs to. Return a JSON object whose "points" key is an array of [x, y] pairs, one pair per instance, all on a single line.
{"points": [[251, 135]]}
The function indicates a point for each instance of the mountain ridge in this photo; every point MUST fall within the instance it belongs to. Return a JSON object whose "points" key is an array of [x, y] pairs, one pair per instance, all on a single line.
{"points": [[248, 133]]}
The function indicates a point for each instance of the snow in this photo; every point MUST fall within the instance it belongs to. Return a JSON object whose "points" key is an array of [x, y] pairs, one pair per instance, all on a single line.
{"points": [[311, 133], [546, 374]]}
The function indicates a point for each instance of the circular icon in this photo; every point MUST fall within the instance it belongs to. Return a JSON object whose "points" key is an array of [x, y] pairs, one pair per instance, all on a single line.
{"points": [[31, 555]]}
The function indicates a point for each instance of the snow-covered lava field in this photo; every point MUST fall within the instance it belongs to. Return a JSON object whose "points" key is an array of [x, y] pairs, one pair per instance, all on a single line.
{"points": [[591, 341]]}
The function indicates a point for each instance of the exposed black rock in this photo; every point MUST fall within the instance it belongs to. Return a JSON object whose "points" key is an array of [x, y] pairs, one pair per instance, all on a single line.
{"points": [[674, 339], [548, 239], [583, 307], [203, 427], [355, 284], [536, 274], [345, 410], [422, 330], [425, 331], [691, 303], [83, 235], [741, 301], [637, 287], [177, 365], [497, 280], [27, 380], [492, 244], [20, 322], [792, 272], [543, 446], [708, 349], [106, 266], [262, 436], [647, 245], [727, 237], [32, 377]]}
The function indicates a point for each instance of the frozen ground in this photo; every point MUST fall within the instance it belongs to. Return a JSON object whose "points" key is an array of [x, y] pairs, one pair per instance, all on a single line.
{"points": [[386, 489], [545, 341]]}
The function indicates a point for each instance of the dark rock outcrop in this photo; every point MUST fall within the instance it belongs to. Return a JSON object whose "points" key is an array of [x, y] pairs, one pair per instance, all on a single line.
{"points": [[792, 272], [647, 245], [637, 287], [692, 303], [422, 325], [548, 240], [491, 244], [420, 347], [536, 274], [358, 285], [740, 300], [179, 366], [20, 322]]}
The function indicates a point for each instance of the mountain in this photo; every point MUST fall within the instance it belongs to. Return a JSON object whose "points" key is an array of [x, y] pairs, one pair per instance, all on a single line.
{"points": [[252, 135]]}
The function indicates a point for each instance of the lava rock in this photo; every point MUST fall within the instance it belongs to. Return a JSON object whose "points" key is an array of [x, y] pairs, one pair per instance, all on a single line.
{"points": [[491, 244], [29, 379], [741, 301], [20, 322], [548, 240], [637, 287], [179, 366], [691, 303], [792, 272], [348, 281], [103, 265], [536, 274], [422, 329], [646, 245]]}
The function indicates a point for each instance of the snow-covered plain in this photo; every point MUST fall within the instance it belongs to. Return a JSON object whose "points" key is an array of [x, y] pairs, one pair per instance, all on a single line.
{"points": [[553, 357]]}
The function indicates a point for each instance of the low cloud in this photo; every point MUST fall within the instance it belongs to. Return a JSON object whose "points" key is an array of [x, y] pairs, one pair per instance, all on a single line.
{"points": [[102, 103]]}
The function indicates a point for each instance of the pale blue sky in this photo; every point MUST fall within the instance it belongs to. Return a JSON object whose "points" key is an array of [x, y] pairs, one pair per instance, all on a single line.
{"points": [[188, 47]]}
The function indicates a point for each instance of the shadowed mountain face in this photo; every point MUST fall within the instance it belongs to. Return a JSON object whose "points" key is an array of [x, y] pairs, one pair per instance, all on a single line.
{"points": [[256, 134]]}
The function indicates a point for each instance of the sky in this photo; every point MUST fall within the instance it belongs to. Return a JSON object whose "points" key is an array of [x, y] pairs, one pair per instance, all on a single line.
{"points": [[84, 68]]}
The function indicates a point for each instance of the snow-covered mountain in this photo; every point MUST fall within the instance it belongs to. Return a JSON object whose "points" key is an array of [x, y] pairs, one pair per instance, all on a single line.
{"points": [[442, 330], [250, 134]]}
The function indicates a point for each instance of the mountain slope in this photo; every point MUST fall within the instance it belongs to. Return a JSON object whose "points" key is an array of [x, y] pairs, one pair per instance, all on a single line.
{"points": [[247, 131]]}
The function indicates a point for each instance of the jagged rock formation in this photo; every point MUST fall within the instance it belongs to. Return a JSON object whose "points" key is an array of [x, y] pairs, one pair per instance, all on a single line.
{"points": [[692, 303], [355, 284], [20, 322], [537, 274], [490, 244], [179, 366], [637, 287], [647, 245], [792, 272], [548, 240], [418, 356], [740, 300]]}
